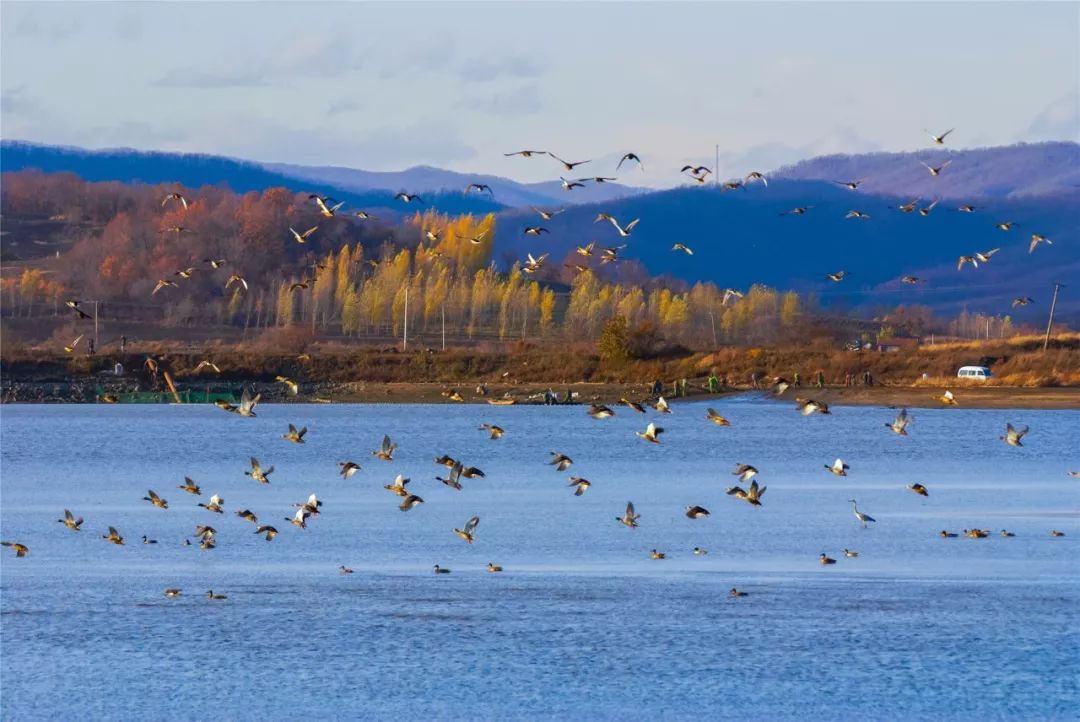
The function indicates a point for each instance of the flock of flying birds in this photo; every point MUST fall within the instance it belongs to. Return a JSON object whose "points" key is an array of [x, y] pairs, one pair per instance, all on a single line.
{"points": [[752, 494], [747, 489]]}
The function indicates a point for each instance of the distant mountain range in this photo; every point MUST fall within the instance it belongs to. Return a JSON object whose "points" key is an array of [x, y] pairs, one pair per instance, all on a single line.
{"points": [[738, 237]]}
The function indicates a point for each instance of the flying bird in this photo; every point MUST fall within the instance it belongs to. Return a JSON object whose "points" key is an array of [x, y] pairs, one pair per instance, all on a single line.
{"points": [[162, 283], [548, 215], [20, 550], [755, 176], [580, 485], [527, 153], [713, 416], [178, 197], [347, 469], [496, 432], [651, 434], [1036, 239], [858, 214], [386, 451], [468, 533], [258, 473], [569, 166], [190, 487], [156, 500], [745, 472], [302, 237], [294, 435], [632, 157], [936, 170], [850, 185], [838, 467], [479, 188], [1013, 436], [406, 198], [900, 424], [684, 248], [561, 462], [751, 496], [569, 185], [918, 489], [236, 278], [70, 521], [939, 139], [696, 512], [836, 277], [71, 348], [629, 518]]}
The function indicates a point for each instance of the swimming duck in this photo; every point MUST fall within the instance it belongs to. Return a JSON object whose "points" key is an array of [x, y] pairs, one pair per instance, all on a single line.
{"points": [[345, 570], [70, 521], [657, 555], [156, 500], [494, 568], [838, 467], [145, 540], [976, 533], [947, 534], [441, 570], [629, 518], [826, 560], [469, 532], [1056, 533], [295, 436], [386, 451], [1005, 533], [699, 552], [113, 537], [258, 473], [850, 553], [751, 496], [919, 489], [696, 512], [736, 593], [172, 593], [713, 416], [210, 595]]}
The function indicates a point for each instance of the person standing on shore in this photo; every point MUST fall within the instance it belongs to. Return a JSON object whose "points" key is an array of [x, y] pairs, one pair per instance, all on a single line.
{"points": [[123, 344], [714, 383], [795, 379]]}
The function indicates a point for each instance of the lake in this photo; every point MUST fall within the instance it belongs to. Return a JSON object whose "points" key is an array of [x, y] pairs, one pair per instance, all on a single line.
{"points": [[583, 623]]}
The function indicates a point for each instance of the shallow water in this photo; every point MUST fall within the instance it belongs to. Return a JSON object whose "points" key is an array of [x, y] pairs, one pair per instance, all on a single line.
{"points": [[582, 624]]}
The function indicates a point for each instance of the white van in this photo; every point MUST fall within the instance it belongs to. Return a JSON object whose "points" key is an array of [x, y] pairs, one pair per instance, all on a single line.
{"points": [[977, 373]]}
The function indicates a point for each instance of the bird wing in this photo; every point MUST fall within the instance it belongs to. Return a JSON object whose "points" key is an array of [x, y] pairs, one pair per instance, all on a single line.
{"points": [[470, 525]]}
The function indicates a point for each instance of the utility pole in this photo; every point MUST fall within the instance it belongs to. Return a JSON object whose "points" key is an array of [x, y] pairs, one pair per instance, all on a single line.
{"points": [[97, 343], [1050, 323], [443, 309], [405, 337]]}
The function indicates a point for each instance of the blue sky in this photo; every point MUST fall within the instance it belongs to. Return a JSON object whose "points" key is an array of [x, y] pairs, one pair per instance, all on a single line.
{"points": [[384, 86]]}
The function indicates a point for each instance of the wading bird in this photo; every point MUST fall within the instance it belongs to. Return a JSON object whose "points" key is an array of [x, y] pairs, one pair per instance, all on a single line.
{"points": [[861, 516]]}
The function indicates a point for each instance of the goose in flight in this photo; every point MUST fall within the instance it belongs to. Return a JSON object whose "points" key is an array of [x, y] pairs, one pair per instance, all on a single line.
{"points": [[248, 515], [586, 250], [861, 516], [548, 215], [258, 473], [406, 198], [651, 434], [156, 500], [1013, 436], [918, 489], [599, 411], [561, 462], [411, 501], [527, 153], [1022, 301], [1036, 239], [535, 230], [294, 435], [162, 283], [900, 424], [347, 469], [247, 403], [624, 232], [836, 277], [325, 210], [939, 139], [113, 537], [745, 472], [684, 248], [71, 348], [479, 188], [838, 467], [698, 172], [204, 364], [629, 518], [70, 521], [74, 306], [851, 185], [398, 485], [631, 157], [495, 432], [216, 505], [809, 406], [857, 214], [580, 485], [453, 479], [190, 487], [752, 496], [569, 166], [20, 550], [947, 398], [569, 185], [756, 176], [532, 265], [696, 512], [469, 532], [935, 170], [386, 451], [177, 197], [236, 278], [302, 237], [714, 416]]}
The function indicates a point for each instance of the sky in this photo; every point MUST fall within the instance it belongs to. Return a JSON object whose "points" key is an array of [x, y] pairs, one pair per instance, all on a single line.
{"points": [[386, 86]]}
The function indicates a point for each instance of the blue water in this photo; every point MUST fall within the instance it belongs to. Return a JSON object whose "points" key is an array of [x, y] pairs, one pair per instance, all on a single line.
{"points": [[583, 624]]}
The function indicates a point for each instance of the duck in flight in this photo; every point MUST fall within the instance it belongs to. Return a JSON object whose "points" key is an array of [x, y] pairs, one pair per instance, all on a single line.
{"points": [[629, 517], [302, 237], [406, 198], [1036, 239], [70, 521], [527, 153], [386, 451], [258, 473], [580, 485], [939, 139], [630, 157], [294, 435], [567, 165], [935, 170], [714, 416], [1013, 436], [177, 197], [21, 550], [900, 424], [156, 500], [752, 495], [468, 533], [838, 467], [651, 434]]}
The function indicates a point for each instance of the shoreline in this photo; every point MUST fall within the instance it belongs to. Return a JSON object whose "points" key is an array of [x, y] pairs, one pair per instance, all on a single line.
{"points": [[360, 392]]}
